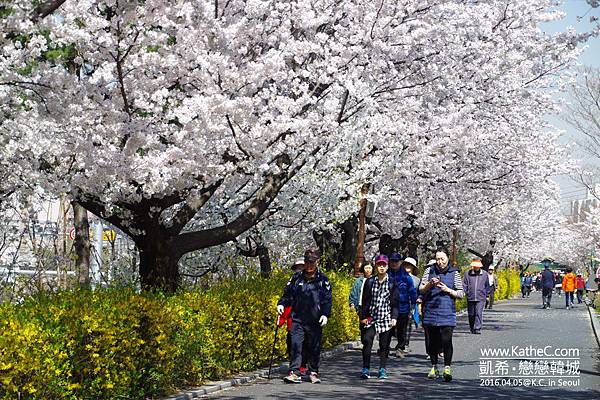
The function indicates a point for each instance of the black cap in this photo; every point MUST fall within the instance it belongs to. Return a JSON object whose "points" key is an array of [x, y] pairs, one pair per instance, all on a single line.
{"points": [[312, 255]]}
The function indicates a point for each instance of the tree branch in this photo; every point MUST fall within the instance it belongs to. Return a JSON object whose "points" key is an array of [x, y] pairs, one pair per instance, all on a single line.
{"points": [[45, 8]]}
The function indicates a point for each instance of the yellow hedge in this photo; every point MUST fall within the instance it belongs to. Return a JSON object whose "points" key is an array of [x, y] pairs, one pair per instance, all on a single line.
{"points": [[117, 343]]}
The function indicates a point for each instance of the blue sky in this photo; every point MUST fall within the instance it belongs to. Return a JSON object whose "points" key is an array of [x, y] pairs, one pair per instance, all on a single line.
{"points": [[570, 190]]}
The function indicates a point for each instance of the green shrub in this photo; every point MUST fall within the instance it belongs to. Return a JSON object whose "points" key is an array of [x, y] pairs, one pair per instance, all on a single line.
{"points": [[116, 343]]}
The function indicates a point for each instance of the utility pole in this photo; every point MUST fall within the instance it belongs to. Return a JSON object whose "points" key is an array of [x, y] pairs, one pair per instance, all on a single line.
{"points": [[454, 240], [360, 255]]}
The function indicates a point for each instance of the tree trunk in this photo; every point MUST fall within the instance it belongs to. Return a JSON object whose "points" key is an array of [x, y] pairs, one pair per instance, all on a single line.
{"points": [[264, 259], [360, 245], [158, 265], [82, 244]]}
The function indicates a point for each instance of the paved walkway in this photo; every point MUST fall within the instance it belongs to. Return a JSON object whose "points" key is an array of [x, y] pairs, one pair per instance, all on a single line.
{"points": [[516, 322]]}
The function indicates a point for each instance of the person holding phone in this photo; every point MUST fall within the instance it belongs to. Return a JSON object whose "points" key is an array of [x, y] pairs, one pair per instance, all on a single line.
{"points": [[440, 286]]}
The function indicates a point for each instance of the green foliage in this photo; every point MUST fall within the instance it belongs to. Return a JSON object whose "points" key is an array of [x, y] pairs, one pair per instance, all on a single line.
{"points": [[117, 343]]}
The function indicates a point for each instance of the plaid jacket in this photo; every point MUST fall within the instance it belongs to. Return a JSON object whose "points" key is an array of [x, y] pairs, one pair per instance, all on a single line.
{"points": [[379, 303]]}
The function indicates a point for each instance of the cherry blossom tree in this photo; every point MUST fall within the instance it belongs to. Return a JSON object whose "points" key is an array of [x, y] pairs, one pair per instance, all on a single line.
{"points": [[185, 124]]}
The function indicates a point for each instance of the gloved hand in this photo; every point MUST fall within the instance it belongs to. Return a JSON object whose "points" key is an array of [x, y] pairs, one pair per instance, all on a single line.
{"points": [[393, 322], [323, 320], [279, 309]]}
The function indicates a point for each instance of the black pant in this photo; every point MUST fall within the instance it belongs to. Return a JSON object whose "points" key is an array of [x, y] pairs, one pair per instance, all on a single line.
{"points": [[489, 302], [402, 330], [579, 295], [569, 298], [440, 339], [309, 337], [368, 336], [288, 341], [546, 296]]}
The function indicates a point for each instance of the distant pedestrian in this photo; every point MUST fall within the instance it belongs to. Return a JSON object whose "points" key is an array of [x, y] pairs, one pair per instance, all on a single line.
{"points": [[378, 315], [308, 292], [547, 286], [558, 277], [407, 296], [355, 297], [476, 286], [569, 285], [493, 281], [410, 266], [580, 283], [441, 285]]}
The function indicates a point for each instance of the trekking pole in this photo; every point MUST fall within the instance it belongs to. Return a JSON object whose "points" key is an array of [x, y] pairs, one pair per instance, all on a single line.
{"points": [[273, 351]]}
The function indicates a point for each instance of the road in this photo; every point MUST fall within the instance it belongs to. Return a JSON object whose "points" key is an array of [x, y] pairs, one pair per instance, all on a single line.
{"points": [[518, 322]]}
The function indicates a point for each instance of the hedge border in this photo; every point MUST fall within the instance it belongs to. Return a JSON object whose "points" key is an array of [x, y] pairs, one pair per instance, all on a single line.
{"points": [[213, 387]]}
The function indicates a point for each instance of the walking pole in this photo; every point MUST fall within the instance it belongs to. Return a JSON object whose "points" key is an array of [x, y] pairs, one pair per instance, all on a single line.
{"points": [[273, 351]]}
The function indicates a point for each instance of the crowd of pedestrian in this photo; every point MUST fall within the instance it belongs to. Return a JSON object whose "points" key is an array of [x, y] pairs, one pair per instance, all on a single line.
{"points": [[389, 299]]}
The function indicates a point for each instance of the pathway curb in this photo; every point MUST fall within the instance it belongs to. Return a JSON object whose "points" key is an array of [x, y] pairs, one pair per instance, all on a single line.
{"points": [[595, 323], [212, 387]]}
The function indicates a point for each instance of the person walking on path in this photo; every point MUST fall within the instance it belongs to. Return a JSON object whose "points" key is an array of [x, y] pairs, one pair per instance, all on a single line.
{"points": [[528, 283], [476, 286], [355, 297], [493, 282], [547, 286], [410, 266], [286, 319], [407, 296], [378, 315], [569, 284], [441, 285], [580, 284], [308, 292], [356, 292]]}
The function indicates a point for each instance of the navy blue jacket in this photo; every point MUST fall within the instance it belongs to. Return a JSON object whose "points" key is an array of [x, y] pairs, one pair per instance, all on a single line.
{"points": [[310, 299], [407, 293], [547, 279], [439, 308], [367, 298]]}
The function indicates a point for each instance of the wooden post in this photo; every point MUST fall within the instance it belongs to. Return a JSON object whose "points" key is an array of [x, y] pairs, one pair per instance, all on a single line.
{"points": [[454, 240], [360, 256]]}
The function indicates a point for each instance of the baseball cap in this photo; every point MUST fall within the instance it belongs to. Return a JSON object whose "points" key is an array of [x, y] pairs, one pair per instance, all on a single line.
{"points": [[311, 255], [476, 263], [298, 262], [381, 259], [395, 257]]}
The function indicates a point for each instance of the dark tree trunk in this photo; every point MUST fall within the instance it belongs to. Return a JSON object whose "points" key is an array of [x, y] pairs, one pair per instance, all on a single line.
{"points": [[82, 244], [158, 265], [264, 260], [338, 244]]}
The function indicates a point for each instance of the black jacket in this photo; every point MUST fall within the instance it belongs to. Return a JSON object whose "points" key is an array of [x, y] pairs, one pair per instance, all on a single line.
{"points": [[310, 299], [367, 297]]}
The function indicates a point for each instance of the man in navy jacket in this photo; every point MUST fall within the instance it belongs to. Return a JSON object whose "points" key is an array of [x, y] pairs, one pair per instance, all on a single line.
{"points": [[308, 292]]}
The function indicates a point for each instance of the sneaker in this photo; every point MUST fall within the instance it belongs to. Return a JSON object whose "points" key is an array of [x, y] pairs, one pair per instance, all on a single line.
{"points": [[433, 373], [365, 373], [292, 378], [477, 332], [567, 307], [314, 378], [399, 353], [447, 374], [382, 374]]}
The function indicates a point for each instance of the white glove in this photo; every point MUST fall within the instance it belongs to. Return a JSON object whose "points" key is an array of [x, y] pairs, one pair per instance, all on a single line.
{"points": [[393, 322], [279, 309], [323, 320]]}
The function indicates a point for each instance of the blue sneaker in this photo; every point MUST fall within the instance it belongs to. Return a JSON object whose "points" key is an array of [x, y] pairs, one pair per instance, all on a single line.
{"points": [[382, 374], [365, 373]]}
